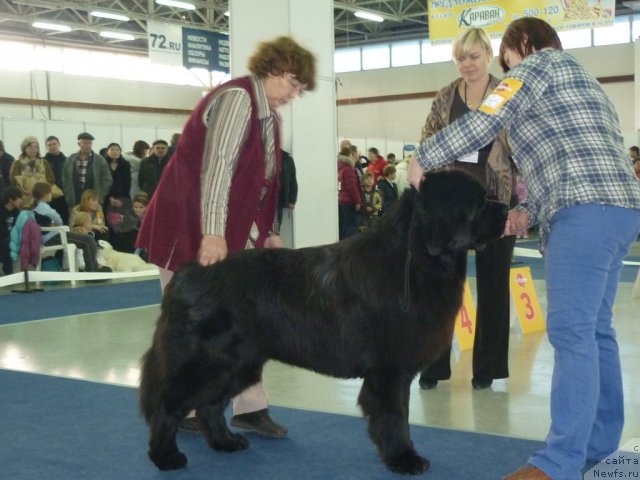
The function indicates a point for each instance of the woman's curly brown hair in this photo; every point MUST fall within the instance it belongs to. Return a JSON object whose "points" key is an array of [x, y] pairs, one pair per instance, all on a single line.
{"points": [[284, 55]]}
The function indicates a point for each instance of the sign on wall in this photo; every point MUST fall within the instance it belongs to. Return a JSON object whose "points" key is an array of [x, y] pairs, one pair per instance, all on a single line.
{"points": [[187, 47], [202, 49], [448, 17]]}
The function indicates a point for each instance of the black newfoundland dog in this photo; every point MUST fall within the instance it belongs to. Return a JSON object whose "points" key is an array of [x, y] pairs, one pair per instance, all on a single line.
{"points": [[380, 305]]}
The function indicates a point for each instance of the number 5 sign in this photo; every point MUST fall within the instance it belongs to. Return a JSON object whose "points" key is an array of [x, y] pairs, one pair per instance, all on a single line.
{"points": [[526, 300], [466, 321]]}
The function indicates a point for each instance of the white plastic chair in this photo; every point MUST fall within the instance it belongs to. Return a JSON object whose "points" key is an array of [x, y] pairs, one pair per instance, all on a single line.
{"points": [[68, 248]]}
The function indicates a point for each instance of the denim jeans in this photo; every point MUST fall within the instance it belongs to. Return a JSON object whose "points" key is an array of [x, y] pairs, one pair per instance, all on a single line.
{"points": [[583, 261]]}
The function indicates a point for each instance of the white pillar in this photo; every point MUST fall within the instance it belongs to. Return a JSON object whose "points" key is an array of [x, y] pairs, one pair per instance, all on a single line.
{"points": [[309, 123]]}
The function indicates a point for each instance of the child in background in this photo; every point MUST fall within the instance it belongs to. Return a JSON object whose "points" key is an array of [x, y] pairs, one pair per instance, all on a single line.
{"points": [[371, 201], [47, 216], [140, 203], [89, 203]]}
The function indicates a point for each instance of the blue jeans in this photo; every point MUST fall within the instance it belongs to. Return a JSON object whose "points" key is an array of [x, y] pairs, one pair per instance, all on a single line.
{"points": [[583, 260]]}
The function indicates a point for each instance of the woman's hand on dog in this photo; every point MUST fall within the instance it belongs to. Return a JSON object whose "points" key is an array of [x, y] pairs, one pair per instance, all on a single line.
{"points": [[213, 248], [274, 241], [517, 224], [415, 173]]}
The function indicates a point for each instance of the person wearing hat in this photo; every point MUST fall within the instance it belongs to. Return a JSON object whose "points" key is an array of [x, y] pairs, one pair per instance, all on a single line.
{"points": [[30, 168], [151, 167], [84, 170]]}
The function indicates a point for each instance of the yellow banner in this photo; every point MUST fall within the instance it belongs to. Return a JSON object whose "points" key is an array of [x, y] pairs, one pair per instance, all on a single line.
{"points": [[448, 17]]}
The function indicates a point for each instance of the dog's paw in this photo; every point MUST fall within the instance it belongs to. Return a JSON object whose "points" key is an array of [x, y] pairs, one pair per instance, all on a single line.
{"points": [[231, 443], [173, 461], [408, 463]]}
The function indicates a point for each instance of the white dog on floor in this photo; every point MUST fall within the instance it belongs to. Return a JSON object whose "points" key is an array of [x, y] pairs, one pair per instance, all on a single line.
{"points": [[120, 261]]}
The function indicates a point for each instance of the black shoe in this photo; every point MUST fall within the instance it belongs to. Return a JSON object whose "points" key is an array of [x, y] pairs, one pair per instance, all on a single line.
{"points": [[259, 422], [427, 384], [105, 269], [190, 425], [481, 383]]}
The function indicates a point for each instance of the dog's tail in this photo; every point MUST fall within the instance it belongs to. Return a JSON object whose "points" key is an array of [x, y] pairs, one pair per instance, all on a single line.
{"points": [[150, 390]]}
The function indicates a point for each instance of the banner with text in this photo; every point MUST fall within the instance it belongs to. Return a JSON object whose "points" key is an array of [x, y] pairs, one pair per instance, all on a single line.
{"points": [[448, 17], [188, 47]]}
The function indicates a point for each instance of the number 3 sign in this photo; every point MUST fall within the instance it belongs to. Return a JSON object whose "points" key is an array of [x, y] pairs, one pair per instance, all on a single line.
{"points": [[526, 300]]}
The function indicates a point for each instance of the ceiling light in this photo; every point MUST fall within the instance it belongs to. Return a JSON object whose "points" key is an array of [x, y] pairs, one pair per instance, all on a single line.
{"points": [[111, 16], [51, 26], [369, 16], [633, 5], [227, 13], [117, 35], [176, 4]]}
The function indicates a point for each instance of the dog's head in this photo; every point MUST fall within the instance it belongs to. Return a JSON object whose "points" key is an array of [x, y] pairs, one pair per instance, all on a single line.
{"points": [[452, 213], [105, 249]]}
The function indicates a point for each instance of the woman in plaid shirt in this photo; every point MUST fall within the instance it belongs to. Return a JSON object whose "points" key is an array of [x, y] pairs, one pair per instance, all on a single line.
{"points": [[565, 139]]}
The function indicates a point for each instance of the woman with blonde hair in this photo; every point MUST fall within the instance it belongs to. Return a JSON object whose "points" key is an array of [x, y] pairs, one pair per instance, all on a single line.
{"points": [[491, 164], [90, 203]]}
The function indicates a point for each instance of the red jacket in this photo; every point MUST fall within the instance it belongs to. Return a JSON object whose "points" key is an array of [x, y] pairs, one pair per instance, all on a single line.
{"points": [[171, 230], [377, 168], [348, 183]]}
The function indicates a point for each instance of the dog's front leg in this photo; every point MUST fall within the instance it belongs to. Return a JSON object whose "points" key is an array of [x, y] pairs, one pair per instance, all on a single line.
{"points": [[384, 399], [216, 431]]}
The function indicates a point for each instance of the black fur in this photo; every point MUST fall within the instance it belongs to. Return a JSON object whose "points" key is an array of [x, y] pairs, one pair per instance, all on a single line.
{"points": [[380, 305]]}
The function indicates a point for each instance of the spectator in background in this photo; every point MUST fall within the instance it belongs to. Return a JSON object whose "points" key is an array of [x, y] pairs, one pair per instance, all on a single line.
{"points": [[172, 147], [30, 168], [344, 143], [634, 153], [388, 188], [10, 205], [84, 170], [349, 197], [371, 202], [47, 216], [90, 203], [151, 168], [401, 174], [391, 158], [134, 157], [6, 161], [636, 167], [376, 164], [121, 177], [288, 185], [56, 161]]}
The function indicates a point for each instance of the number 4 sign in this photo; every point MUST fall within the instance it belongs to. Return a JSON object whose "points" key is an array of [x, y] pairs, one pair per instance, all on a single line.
{"points": [[526, 300], [465, 328]]}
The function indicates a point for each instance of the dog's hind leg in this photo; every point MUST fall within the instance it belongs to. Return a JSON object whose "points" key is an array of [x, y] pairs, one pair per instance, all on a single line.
{"points": [[221, 389], [216, 431], [384, 399], [163, 450]]}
